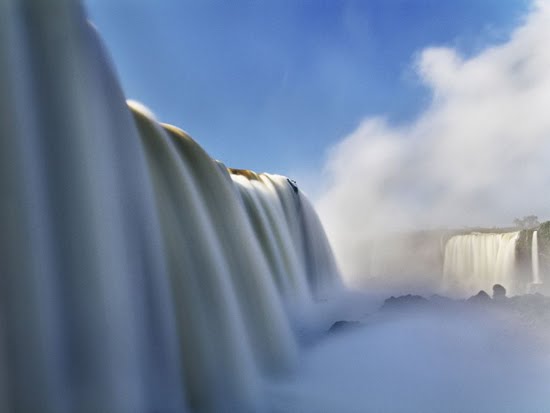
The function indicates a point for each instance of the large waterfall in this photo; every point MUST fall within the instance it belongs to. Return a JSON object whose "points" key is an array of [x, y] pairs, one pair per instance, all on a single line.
{"points": [[137, 273], [477, 261]]}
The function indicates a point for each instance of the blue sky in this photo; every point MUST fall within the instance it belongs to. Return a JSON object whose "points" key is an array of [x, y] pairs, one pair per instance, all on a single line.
{"points": [[270, 85]]}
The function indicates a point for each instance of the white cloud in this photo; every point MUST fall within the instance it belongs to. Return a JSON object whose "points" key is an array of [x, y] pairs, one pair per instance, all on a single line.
{"points": [[479, 155]]}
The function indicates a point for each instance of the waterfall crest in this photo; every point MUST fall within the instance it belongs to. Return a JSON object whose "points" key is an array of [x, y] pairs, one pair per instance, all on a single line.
{"points": [[477, 261], [138, 274]]}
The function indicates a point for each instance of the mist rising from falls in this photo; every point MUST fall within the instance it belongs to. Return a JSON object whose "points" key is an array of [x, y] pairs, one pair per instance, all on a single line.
{"points": [[477, 261], [137, 273]]}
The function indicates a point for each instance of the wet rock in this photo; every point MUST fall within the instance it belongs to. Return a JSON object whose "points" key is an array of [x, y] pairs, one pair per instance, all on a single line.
{"points": [[499, 292], [293, 184], [479, 298], [404, 301], [342, 325]]}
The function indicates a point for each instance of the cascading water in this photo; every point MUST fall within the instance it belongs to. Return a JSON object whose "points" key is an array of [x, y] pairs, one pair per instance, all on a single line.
{"points": [[137, 273], [477, 261], [535, 259]]}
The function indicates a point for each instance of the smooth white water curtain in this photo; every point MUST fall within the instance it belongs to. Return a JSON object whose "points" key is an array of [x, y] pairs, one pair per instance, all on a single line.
{"points": [[137, 274], [478, 261]]}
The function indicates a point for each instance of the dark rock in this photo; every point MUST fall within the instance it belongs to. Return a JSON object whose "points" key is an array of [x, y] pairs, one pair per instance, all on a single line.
{"points": [[343, 326], [480, 297], [499, 292], [404, 301], [293, 184]]}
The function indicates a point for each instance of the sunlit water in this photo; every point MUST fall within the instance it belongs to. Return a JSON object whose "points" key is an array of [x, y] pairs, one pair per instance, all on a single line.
{"points": [[478, 261]]}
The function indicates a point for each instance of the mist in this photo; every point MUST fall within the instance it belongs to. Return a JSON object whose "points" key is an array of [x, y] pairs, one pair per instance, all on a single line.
{"points": [[457, 359], [478, 154]]}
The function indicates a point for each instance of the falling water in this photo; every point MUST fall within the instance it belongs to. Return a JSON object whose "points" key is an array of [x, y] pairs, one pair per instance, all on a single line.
{"points": [[477, 261], [137, 273], [535, 259]]}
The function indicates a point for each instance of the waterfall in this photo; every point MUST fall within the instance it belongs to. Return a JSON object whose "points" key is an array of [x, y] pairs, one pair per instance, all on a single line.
{"points": [[477, 261], [535, 258], [137, 273]]}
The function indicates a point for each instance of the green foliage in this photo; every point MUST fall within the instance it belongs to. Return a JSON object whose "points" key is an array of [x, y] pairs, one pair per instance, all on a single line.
{"points": [[544, 232]]}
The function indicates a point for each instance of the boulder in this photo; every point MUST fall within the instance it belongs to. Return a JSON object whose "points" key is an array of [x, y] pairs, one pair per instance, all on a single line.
{"points": [[499, 292], [342, 325], [479, 298], [404, 301]]}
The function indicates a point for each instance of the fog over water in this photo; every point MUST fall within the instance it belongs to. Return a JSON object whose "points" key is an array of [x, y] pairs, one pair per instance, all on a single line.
{"points": [[468, 360]]}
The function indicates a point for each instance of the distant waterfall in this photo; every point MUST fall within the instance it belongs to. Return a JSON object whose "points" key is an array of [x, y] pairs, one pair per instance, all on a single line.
{"points": [[477, 261], [137, 274], [535, 258]]}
